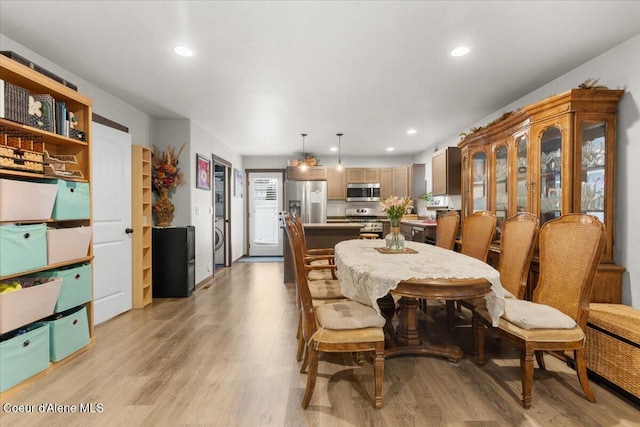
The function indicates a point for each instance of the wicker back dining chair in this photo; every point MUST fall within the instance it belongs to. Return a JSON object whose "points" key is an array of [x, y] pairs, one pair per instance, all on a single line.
{"points": [[569, 251], [317, 256], [322, 287], [477, 232], [446, 232], [341, 327], [517, 243], [447, 229]]}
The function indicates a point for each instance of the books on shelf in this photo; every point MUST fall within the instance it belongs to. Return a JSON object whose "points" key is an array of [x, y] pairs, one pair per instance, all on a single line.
{"points": [[15, 102], [38, 110]]}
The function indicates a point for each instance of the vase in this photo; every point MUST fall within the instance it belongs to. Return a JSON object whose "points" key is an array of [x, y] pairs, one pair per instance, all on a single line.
{"points": [[394, 241], [163, 209]]}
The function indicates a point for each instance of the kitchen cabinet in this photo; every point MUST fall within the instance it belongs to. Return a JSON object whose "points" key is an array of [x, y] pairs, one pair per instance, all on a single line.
{"points": [[363, 175], [403, 181], [141, 251], [386, 182], [397, 181], [76, 178], [312, 173], [336, 184], [553, 157], [406, 230], [445, 172]]}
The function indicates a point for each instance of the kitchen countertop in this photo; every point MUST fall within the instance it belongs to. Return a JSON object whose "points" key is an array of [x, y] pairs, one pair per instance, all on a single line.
{"points": [[339, 225], [419, 222], [337, 220], [342, 220]]}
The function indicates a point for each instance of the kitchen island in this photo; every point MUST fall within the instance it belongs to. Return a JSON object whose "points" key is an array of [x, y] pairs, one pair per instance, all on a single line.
{"points": [[423, 231], [320, 235]]}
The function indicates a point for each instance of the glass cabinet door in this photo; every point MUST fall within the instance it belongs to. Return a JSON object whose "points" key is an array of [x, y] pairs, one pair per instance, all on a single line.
{"points": [[594, 178], [550, 174], [592, 189], [501, 188], [522, 180], [479, 186]]}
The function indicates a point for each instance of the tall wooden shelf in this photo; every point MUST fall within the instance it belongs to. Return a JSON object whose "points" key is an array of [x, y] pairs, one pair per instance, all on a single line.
{"points": [[24, 77], [553, 157], [141, 224]]}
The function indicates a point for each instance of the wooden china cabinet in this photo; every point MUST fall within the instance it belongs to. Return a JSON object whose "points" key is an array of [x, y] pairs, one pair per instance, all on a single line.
{"points": [[553, 157]]}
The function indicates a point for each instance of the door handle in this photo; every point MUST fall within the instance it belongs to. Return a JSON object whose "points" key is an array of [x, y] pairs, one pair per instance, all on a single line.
{"points": [[128, 230]]}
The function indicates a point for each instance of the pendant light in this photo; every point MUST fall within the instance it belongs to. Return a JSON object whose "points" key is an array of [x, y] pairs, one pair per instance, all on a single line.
{"points": [[303, 164], [339, 166]]}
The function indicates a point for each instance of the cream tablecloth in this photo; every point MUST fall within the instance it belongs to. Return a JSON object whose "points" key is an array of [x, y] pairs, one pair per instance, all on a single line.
{"points": [[366, 274]]}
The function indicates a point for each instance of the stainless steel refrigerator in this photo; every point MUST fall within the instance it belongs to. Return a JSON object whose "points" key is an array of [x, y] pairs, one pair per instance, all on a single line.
{"points": [[307, 199]]}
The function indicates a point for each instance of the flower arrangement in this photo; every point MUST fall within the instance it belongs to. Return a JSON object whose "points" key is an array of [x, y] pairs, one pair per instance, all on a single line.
{"points": [[165, 172], [395, 207]]}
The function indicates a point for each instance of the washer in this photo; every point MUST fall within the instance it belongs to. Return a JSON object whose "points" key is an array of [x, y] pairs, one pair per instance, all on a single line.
{"points": [[218, 243]]}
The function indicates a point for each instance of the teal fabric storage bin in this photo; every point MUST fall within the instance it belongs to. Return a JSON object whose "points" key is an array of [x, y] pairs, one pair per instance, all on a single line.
{"points": [[76, 285], [72, 201], [24, 355], [22, 248], [68, 333]]}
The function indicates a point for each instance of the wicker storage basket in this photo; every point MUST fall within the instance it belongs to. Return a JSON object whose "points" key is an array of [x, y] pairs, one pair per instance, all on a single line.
{"points": [[21, 151], [613, 344]]}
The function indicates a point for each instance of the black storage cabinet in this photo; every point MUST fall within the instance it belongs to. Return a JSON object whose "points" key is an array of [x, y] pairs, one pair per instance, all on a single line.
{"points": [[174, 261]]}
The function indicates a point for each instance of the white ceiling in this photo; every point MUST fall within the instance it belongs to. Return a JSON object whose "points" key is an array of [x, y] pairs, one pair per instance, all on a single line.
{"points": [[264, 72]]}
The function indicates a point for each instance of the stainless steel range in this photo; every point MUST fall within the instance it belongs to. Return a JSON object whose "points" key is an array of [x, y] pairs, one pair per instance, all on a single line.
{"points": [[368, 217]]}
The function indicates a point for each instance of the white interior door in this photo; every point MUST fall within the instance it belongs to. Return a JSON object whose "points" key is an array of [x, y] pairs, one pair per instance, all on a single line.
{"points": [[111, 163], [265, 204]]}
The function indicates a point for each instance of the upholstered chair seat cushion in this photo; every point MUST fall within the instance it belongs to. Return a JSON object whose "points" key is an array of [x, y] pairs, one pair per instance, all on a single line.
{"points": [[325, 289], [318, 302], [530, 315], [330, 336], [574, 334], [348, 315], [319, 275]]}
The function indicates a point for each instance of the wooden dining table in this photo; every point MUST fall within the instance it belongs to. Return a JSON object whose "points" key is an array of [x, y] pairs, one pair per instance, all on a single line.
{"points": [[370, 275]]}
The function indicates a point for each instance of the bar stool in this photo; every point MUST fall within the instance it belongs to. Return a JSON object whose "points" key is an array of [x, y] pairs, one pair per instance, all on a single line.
{"points": [[368, 236]]}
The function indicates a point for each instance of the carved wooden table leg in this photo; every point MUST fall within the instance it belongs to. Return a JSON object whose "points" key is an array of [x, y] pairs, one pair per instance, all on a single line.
{"points": [[407, 339], [407, 332], [388, 309]]}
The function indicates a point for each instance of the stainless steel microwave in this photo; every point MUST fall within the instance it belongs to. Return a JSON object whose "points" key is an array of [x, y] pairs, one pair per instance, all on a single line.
{"points": [[363, 192]]}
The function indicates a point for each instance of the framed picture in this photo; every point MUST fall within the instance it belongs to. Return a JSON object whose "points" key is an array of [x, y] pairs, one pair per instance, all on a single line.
{"points": [[203, 172], [239, 181]]}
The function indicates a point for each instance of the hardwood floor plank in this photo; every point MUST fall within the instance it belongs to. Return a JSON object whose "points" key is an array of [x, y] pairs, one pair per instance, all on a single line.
{"points": [[226, 356]]}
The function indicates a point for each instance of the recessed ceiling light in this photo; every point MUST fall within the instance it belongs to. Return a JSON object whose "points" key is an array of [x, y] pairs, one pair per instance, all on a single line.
{"points": [[412, 132], [183, 51], [460, 51], [390, 148], [333, 149]]}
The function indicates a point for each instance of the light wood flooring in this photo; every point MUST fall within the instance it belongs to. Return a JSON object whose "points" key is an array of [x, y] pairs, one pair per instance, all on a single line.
{"points": [[226, 357]]}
